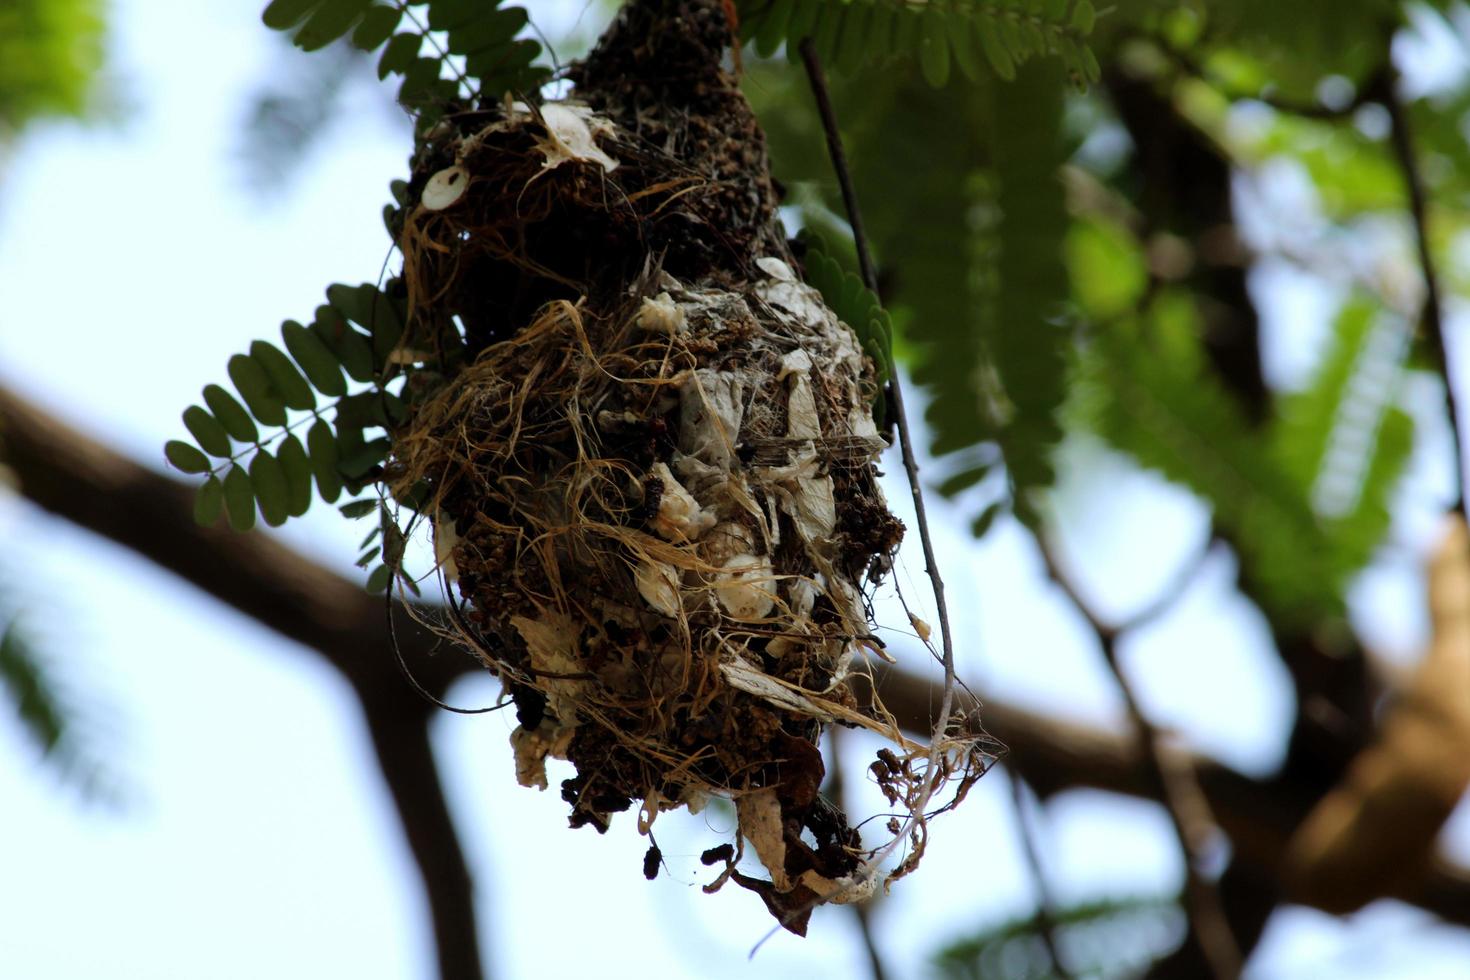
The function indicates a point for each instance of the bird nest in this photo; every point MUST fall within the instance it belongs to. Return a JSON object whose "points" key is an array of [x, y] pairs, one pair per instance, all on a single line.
{"points": [[651, 478]]}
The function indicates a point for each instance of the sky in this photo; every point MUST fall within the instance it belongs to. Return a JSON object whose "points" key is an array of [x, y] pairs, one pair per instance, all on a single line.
{"points": [[255, 838]]}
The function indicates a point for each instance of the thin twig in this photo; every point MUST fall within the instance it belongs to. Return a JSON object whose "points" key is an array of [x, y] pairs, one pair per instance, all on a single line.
{"points": [[1180, 794], [911, 467], [1045, 918], [1385, 90]]}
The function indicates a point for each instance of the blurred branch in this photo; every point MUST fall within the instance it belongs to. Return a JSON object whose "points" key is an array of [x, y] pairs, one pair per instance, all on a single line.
{"points": [[1385, 90], [94, 487], [1188, 813], [1191, 66]]}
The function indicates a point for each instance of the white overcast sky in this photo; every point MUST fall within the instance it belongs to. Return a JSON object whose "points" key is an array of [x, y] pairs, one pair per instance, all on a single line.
{"points": [[258, 840]]}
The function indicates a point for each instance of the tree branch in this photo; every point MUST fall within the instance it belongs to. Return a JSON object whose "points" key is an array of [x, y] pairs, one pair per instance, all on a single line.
{"points": [[412, 775], [92, 486], [89, 484]]}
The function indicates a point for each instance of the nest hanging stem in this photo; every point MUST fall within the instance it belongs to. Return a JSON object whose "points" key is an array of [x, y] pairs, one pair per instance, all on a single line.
{"points": [[818, 80]]}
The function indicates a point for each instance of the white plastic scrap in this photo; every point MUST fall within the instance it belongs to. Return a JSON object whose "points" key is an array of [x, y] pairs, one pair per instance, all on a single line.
{"points": [[775, 268], [745, 588], [805, 493], [530, 748], [752, 680], [662, 315], [658, 584], [679, 517], [445, 188], [445, 541], [801, 405], [711, 406], [796, 298], [569, 134]]}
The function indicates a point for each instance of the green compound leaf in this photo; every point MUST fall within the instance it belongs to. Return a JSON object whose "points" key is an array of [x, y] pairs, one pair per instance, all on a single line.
{"points": [[322, 443], [255, 387], [186, 457], [209, 502], [284, 377], [231, 414], [317, 361], [239, 499], [207, 431], [271, 491], [297, 469]]}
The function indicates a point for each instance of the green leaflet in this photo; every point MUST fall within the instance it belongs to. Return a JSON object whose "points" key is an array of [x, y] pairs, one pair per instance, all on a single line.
{"points": [[350, 347], [375, 311], [231, 414], [207, 431], [271, 490], [209, 502], [330, 20], [379, 578], [359, 508], [401, 51], [316, 360], [280, 15], [284, 377], [376, 26], [185, 457], [323, 452], [297, 470], [255, 387], [239, 499]]}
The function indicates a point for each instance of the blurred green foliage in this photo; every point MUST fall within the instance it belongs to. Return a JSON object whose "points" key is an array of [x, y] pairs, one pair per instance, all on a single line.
{"points": [[50, 54]]}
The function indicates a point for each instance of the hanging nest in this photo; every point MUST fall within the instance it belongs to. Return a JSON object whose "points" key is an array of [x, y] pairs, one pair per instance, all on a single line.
{"points": [[649, 459]]}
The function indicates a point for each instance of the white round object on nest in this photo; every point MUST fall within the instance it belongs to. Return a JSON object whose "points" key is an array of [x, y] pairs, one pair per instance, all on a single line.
{"points": [[445, 188]]}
